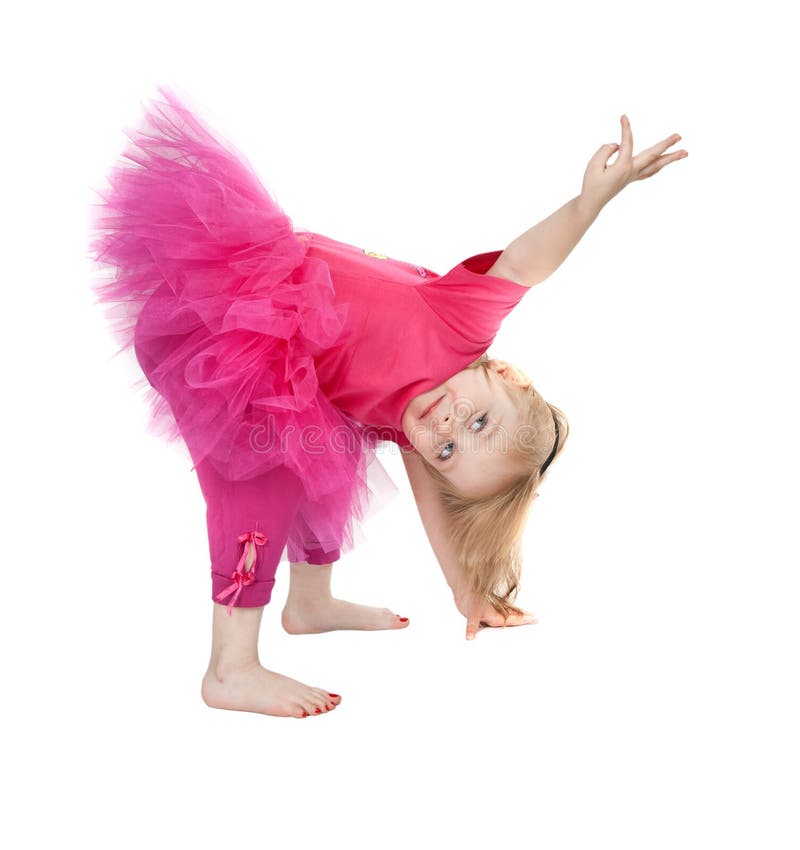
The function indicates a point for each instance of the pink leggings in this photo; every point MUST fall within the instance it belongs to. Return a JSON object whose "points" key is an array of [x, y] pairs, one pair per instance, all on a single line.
{"points": [[266, 505], [258, 517]]}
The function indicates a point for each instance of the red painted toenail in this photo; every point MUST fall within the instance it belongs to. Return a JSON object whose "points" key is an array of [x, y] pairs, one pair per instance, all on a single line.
{"points": [[305, 714], [404, 619], [317, 711], [332, 695]]}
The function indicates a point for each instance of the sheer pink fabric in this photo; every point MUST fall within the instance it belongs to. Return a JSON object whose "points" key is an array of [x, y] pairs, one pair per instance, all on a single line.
{"points": [[212, 288]]}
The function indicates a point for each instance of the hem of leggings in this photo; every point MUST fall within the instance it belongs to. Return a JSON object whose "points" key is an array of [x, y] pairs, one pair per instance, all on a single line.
{"points": [[254, 595], [320, 556]]}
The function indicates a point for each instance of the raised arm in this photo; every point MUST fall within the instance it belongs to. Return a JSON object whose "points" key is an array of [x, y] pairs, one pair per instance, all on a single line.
{"points": [[537, 253], [477, 610]]}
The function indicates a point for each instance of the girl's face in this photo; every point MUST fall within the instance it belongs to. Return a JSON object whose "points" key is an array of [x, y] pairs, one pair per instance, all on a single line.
{"points": [[466, 426]]}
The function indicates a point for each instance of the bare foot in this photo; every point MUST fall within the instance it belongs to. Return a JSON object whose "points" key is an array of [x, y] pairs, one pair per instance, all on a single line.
{"points": [[332, 614], [254, 688]]}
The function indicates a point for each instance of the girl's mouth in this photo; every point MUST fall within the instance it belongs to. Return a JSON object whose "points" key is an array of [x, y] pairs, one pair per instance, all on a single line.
{"points": [[430, 407]]}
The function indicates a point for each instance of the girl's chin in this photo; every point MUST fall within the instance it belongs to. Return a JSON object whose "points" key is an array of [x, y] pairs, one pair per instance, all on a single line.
{"points": [[405, 422], [408, 437]]}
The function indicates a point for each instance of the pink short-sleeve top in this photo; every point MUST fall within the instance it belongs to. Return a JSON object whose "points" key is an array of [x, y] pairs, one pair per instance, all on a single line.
{"points": [[407, 329]]}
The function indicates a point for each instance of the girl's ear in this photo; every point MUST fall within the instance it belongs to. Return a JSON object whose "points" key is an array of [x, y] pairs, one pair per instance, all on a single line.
{"points": [[510, 373]]}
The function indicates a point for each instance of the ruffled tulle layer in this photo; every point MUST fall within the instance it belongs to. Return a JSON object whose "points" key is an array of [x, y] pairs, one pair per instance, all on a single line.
{"points": [[211, 287]]}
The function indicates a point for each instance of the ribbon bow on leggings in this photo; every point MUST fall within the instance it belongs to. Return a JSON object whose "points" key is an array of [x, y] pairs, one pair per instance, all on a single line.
{"points": [[243, 576]]}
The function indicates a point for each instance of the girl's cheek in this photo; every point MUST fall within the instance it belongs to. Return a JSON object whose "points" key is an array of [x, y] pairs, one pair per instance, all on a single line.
{"points": [[423, 445]]}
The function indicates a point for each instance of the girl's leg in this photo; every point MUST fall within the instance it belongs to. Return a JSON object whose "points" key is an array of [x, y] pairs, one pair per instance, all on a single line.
{"points": [[311, 608], [251, 519]]}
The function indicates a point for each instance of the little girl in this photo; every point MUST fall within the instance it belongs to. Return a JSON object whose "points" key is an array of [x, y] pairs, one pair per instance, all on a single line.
{"points": [[282, 357]]}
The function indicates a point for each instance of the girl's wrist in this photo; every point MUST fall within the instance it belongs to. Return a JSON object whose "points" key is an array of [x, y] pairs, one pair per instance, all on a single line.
{"points": [[459, 589], [590, 205]]}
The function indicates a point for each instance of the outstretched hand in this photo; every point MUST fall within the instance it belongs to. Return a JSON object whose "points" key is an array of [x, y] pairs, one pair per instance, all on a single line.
{"points": [[602, 181], [480, 612]]}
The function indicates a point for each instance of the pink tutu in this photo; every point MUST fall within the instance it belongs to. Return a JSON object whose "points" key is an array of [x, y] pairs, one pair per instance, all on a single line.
{"points": [[212, 288]]}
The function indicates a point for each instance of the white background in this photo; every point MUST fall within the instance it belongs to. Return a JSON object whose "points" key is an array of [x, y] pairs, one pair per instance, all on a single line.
{"points": [[655, 703]]}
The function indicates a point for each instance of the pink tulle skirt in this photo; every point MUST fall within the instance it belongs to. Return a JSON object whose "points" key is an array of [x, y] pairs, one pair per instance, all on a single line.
{"points": [[211, 287]]}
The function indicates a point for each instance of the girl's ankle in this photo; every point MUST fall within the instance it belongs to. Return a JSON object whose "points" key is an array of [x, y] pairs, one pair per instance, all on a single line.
{"points": [[308, 601], [224, 666]]}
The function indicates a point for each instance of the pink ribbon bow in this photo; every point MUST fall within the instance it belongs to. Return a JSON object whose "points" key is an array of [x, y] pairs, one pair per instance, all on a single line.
{"points": [[243, 576]]}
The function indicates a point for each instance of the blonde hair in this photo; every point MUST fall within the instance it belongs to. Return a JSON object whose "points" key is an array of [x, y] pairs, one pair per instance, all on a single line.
{"points": [[487, 530]]}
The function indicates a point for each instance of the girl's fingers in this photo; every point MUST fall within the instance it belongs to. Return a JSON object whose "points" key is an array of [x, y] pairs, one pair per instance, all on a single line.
{"points": [[626, 148], [601, 158], [482, 616], [609, 151], [521, 619], [650, 170], [494, 619], [512, 619], [669, 141], [646, 157]]}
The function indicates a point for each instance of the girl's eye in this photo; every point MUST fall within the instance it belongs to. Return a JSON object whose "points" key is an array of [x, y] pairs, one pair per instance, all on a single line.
{"points": [[442, 455], [482, 419], [448, 448]]}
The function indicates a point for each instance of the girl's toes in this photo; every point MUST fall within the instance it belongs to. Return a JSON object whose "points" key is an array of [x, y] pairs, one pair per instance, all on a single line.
{"points": [[318, 702], [309, 707], [324, 696], [326, 701]]}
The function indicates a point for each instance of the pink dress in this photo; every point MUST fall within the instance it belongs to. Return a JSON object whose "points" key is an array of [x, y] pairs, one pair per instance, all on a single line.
{"points": [[281, 358]]}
